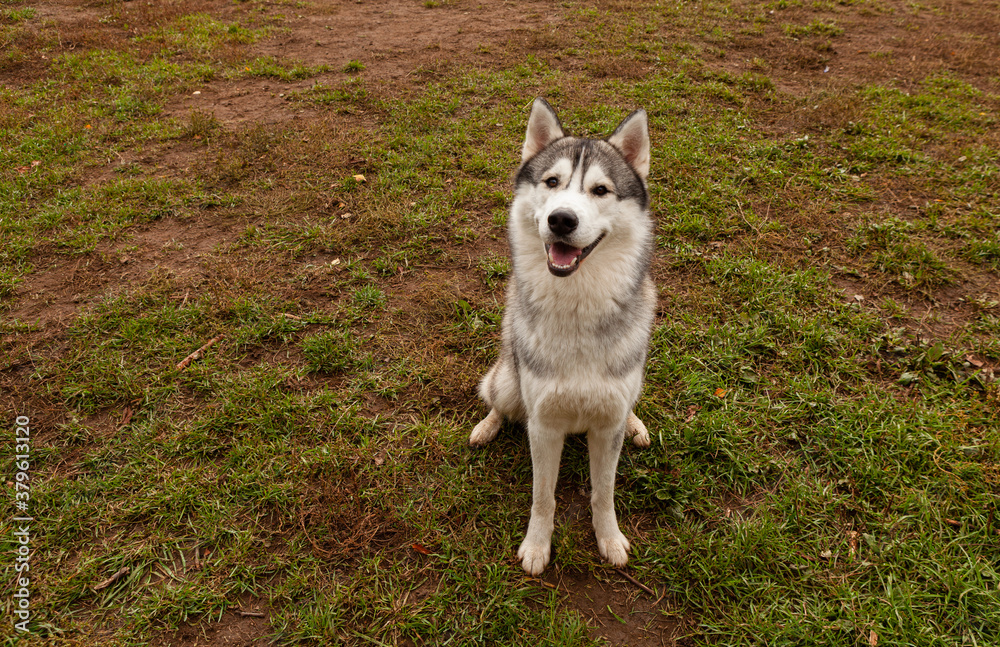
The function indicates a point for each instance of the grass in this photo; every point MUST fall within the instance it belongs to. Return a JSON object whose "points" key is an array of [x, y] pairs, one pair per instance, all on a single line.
{"points": [[824, 466], [815, 28]]}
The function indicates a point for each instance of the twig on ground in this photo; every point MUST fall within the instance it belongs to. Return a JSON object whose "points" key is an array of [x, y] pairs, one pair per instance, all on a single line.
{"points": [[252, 614], [636, 582], [197, 354], [125, 570]]}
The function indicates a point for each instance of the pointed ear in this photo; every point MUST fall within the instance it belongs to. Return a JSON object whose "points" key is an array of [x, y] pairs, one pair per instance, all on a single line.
{"points": [[543, 129], [632, 139]]}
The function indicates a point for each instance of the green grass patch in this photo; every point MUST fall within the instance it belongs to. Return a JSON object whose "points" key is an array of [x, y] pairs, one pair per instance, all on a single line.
{"points": [[274, 68], [815, 28], [201, 36]]}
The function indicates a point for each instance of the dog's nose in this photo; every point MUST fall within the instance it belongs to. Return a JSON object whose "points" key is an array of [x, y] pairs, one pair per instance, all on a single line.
{"points": [[563, 222]]}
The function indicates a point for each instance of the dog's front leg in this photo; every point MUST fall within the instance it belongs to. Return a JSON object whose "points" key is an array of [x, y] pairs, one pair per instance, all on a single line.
{"points": [[546, 449], [605, 446]]}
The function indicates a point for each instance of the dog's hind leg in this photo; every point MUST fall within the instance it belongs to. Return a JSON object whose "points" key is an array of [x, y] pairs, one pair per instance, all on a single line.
{"points": [[487, 429], [605, 447], [636, 430], [501, 390]]}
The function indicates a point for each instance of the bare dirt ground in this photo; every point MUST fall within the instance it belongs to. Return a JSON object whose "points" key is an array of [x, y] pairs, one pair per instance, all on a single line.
{"points": [[402, 42]]}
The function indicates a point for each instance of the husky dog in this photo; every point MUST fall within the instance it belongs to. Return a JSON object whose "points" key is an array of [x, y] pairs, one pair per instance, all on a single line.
{"points": [[580, 305]]}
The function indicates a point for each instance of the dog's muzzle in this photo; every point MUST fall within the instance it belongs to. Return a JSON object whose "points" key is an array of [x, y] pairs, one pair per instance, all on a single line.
{"points": [[565, 259]]}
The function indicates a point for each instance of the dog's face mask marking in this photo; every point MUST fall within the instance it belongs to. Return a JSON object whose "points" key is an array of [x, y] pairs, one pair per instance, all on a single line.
{"points": [[577, 184]]}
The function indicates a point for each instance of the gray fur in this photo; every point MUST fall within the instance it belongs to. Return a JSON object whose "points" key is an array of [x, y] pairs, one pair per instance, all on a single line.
{"points": [[626, 365], [587, 152], [575, 335]]}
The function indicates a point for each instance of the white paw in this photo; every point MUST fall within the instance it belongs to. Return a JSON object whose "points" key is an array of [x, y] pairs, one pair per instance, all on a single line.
{"points": [[486, 430], [614, 549], [641, 439], [637, 430], [534, 557]]}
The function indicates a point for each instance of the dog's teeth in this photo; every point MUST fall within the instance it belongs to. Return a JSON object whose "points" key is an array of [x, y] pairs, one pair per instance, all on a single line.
{"points": [[574, 263]]}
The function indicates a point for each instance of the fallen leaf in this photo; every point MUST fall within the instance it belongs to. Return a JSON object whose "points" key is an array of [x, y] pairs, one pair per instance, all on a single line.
{"points": [[691, 412], [872, 638], [359, 178], [721, 393], [420, 548]]}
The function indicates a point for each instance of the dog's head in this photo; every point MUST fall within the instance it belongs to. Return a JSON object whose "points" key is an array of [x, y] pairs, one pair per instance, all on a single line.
{"points": [[578, 191]]}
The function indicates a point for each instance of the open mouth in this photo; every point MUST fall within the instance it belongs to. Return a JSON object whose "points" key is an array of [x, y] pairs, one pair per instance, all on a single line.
{"points": [[565, 259]]}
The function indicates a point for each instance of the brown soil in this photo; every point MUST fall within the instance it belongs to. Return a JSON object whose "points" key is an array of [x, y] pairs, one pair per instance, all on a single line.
{"points": [[618, 610], [247, 626]]}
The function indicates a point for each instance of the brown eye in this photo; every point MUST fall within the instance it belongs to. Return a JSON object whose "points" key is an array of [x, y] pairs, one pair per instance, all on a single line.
{"points": [[600, 190], [552, 182]]}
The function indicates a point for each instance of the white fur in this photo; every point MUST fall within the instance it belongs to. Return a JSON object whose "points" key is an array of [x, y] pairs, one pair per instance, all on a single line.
{"points": [[576, 393]]}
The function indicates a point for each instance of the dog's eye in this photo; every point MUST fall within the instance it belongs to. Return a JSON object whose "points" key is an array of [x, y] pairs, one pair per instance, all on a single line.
{"points": [[600, 190], [552, 182]]}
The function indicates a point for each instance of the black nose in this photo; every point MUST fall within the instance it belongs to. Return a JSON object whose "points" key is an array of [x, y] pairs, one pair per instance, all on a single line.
{"points": [[562, 222]]}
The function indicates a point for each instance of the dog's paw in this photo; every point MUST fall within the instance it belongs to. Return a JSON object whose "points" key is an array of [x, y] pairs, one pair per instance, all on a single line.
{"points": [[534, 557], [637, 430], [486, 430], [614, 549]]}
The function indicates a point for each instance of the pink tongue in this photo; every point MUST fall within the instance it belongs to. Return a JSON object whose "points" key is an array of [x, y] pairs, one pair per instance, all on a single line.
{"points": [[562, 254]]}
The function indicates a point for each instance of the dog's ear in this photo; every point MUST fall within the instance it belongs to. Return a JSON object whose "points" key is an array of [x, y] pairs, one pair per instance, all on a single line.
{"points": [[632, 139], [543, 129]]}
